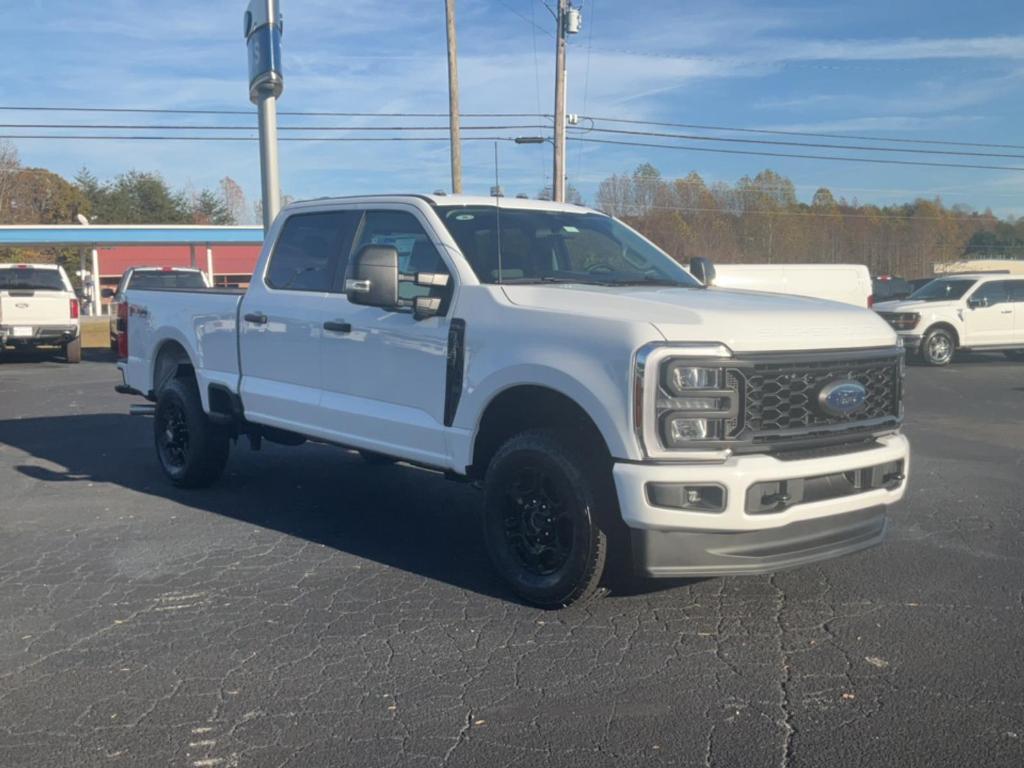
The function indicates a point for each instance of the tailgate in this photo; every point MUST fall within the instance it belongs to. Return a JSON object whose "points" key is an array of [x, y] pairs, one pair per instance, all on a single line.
{"points": [[33, 308]]}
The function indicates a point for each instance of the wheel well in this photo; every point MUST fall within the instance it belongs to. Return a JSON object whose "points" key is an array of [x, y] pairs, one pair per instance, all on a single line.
{"points": [[171, 361], [532, 407], [945, 327]]}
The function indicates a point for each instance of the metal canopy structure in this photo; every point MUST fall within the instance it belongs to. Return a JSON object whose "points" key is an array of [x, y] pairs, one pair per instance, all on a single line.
{"points": [[102, 236], [93, 237]]}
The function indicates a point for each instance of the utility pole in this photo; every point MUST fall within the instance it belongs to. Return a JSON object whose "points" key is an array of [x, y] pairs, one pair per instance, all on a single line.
{"points": [[569, 22], [263, 29], [453, 98]]}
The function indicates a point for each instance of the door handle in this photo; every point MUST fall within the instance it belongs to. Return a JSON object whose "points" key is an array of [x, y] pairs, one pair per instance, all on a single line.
{"points": [[338, 326], [1006, 312], [256, 318]]}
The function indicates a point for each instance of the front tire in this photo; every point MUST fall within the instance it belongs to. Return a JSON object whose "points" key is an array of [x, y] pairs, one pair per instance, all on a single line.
{"points": [[543, 525], [191, 449], [937, 347], [73, 350]]}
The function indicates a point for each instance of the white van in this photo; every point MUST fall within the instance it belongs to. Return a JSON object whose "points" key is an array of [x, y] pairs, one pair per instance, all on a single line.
{"points": [[846, 283]]}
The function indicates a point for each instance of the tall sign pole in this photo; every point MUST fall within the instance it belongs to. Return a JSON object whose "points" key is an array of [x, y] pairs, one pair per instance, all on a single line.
{"points": [[263, 30], [453, 98]]}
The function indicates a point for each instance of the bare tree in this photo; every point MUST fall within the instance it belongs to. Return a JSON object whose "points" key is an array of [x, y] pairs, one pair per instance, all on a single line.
{"points": [[9, 165]]}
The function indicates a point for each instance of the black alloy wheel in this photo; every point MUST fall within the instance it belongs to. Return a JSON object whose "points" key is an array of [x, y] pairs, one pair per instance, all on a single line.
{"points": [[537, 520], [546, 519], [192, 450]]}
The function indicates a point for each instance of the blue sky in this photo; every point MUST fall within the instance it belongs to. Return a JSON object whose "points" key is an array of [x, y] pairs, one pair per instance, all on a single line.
{"points": [[935, 70]]}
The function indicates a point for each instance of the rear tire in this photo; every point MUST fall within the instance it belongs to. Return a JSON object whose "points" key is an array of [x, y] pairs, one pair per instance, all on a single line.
{"points": [[938, 347], [191, 449], [545, 530], [73, 350]]}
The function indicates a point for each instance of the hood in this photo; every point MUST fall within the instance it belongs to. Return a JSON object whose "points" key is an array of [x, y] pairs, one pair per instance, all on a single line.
{"points": [[906, 305], [746, 321]]}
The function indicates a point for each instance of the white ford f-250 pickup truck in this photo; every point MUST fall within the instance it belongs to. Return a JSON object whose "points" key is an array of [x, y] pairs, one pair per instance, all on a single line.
{"points": [[611, 406]]}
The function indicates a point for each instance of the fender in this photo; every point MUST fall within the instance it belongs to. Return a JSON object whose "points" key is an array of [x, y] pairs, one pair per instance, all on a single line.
{"points": [[604, 400]]}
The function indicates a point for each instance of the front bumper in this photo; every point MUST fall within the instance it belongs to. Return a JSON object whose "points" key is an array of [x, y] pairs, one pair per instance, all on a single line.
{"points": [[746, 538], [911, 341], [40, 334]]}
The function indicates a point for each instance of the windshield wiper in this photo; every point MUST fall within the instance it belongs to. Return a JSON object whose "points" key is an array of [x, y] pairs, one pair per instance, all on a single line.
{"points": [[657, 281], [553, 280]]}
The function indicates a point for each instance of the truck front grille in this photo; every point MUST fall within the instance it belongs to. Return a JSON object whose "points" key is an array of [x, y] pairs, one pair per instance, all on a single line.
{"points": [[780, 396]]}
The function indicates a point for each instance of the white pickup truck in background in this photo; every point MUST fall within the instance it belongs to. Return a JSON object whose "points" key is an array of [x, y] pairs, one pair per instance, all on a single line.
{"points": [[983, 311], [146, 277], [38, 307], [611, 406]]}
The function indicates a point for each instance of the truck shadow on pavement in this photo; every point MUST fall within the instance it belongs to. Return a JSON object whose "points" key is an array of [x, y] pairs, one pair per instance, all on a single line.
{"points": [[399, 516]]}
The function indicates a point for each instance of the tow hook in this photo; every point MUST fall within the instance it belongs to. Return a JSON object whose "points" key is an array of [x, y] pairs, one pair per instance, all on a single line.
{"points": [[777, 500], [893, 481]]}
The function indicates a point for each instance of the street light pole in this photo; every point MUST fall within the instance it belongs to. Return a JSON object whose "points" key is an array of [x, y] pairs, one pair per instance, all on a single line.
{"points": [[263, 29], [453, 98]]}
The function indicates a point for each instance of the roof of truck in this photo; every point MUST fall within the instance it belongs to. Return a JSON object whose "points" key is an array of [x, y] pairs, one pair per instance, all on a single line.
{"points": [[451, 200]]}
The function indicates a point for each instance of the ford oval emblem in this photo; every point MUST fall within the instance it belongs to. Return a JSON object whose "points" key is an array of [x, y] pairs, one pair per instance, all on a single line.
{"points": [[841, 398]]}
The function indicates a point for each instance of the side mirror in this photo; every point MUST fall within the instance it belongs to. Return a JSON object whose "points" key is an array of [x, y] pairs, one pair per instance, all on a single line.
{"points": [[107, 293], [373, 277], [977, 302], [703, 270]]}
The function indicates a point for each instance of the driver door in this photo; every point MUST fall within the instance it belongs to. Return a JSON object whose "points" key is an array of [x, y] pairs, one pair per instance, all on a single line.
{"points": [[384, 373]]}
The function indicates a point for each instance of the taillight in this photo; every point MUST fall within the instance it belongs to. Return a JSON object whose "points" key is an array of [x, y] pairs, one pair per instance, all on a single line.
{"points": [[122, 330], [73, 309], [871, 301]]}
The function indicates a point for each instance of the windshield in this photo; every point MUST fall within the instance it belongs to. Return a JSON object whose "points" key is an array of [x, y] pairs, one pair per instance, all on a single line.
{"points": [[157, 280], [31, 279], [558, 246], [942, 290]]}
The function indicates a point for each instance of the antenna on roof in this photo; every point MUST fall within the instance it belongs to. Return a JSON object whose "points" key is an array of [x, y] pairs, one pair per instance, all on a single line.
{"points": [[497, 207]]}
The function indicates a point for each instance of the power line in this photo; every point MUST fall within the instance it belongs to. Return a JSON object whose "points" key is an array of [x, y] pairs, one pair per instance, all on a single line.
{"points": [[397, 128], [809, 134], [692, 126], [168, 111], [813, 145], [152, 127], [840, 158], [84, 137], [531, 22]]}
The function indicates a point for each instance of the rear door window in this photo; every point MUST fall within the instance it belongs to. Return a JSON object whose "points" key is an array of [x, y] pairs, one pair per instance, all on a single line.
{"points": [[30, 279], [1016, 289], [310, 249], [157, 280]]}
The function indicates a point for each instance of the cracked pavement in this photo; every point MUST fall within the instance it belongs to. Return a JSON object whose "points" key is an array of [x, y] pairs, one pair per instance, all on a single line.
{"points": [[310, 610]]}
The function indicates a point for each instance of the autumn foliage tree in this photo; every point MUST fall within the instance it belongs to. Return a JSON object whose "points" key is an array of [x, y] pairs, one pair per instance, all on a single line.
{"points": [[760, 219]]}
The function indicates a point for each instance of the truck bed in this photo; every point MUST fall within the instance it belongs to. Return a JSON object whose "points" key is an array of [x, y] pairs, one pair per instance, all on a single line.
{"points": [[204, 321]]}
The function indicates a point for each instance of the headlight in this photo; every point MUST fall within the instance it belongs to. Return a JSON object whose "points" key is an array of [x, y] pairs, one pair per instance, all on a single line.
{"points": [[687, 398], [903, 321]]}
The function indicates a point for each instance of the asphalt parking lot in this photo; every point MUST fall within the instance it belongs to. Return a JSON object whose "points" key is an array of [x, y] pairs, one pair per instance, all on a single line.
{"points": [[310, 611]]}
